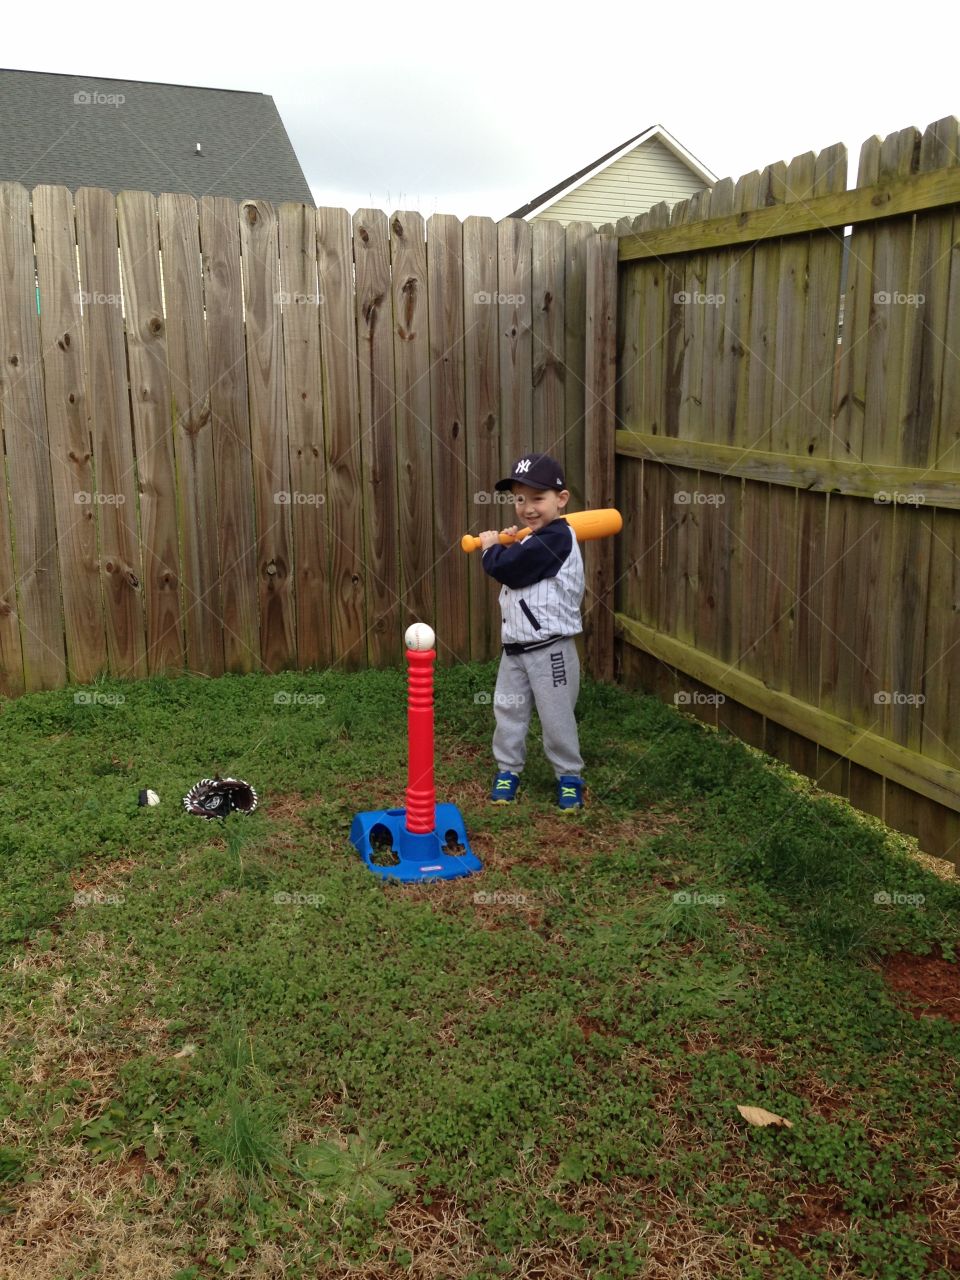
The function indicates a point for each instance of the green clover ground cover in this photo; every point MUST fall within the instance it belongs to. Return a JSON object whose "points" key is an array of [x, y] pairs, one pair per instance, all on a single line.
{"points": [[269, 1062]]}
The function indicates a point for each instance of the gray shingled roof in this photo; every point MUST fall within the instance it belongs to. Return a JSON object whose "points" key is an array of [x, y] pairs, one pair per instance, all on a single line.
{"points": [[131, 135]]}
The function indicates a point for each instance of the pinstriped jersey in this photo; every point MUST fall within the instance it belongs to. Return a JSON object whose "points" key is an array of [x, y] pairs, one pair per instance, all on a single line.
{"points": [[542, 584]]}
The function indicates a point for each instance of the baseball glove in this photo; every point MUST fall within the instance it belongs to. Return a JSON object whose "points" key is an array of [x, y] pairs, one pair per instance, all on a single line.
{"points": [[217, 797]]}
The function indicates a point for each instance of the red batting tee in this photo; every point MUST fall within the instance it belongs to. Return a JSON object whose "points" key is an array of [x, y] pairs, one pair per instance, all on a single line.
{"points": [[421, 796]]}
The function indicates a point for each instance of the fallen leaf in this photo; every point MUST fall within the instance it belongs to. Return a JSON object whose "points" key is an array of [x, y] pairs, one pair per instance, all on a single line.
{"points": [[757, 1115]]}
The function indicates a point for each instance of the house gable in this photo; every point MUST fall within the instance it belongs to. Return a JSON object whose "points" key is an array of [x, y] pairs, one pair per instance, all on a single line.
{"points": [[646, 175]]}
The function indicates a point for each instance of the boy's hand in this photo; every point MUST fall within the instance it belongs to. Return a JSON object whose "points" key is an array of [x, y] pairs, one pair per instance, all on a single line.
{"points": [[491, 537]]}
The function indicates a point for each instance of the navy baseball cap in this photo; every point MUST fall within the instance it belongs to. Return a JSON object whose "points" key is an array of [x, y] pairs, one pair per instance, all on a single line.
{"points": [[538, 470]]}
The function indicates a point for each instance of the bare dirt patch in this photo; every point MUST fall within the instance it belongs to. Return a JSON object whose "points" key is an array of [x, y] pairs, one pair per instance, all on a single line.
{"points": [[942, 1206], [101, 876], [929, 986], [759, 1053], [592, 1027], [817, 1211], [287, 810], [826, 1100]]}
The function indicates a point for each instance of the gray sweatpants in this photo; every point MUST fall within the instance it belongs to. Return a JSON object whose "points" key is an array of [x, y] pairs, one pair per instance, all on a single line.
{"points": [[550, 677]]}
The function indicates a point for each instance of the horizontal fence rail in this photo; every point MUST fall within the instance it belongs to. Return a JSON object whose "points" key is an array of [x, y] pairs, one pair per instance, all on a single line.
{"points": [[242, 437]]}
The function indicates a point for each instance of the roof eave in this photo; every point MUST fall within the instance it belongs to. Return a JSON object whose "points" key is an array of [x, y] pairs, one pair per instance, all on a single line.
{"points": [[541, 204]]}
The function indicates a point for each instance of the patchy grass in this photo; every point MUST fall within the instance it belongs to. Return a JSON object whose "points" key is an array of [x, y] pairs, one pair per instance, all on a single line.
{"points": [[228, 1050]]}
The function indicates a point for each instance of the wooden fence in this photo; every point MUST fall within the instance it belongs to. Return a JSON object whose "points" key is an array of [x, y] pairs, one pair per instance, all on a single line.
{"points": [[791, 571], [243, 437]]}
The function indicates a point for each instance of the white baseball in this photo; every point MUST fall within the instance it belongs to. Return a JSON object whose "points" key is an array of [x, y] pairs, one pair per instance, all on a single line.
{"points": [[419, 637]]}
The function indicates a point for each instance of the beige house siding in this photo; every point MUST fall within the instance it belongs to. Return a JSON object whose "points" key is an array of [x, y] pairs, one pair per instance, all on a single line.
{"points": [[631, 185]]}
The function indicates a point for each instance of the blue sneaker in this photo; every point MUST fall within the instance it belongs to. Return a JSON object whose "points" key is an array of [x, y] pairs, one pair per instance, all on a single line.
{"points": [[569, 792], [505, 787]]}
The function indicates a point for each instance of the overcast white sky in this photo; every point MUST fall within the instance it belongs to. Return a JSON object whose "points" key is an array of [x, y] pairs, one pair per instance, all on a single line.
{"points": [[476, 110]]}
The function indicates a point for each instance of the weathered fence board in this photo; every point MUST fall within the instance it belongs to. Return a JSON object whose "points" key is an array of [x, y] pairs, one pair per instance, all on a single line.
{"points": [[514, 305], [375, 367], [300, 299], [150, 364], [108, 405], [189, 410], [601, 372], [790, 387], [71, 460], [268, 432], [919, 252], [445, 276], [230, 427], [414, 430], [938, 398], [28, 452], [813, 439], [576, 239], [547, 286], [481, 361], [338, 345]]}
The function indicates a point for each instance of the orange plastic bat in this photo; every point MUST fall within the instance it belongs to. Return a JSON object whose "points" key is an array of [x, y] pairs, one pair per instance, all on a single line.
{"points": [[602, 523]]}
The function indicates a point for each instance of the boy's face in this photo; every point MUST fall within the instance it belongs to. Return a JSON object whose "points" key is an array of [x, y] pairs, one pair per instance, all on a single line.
{"points": [[537, 507]]}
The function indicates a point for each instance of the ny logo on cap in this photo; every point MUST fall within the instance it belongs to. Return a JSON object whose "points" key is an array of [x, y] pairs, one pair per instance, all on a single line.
{"points": [[523, 465]]}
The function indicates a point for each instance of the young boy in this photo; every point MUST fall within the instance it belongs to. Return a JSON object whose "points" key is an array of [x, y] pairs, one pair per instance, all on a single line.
{"points": [[543, 586]]}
